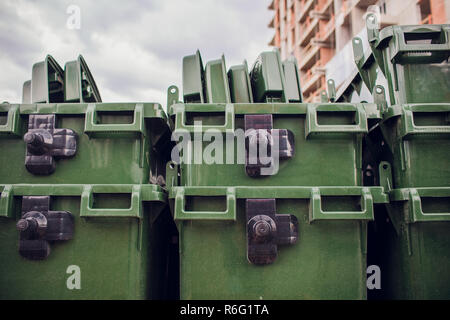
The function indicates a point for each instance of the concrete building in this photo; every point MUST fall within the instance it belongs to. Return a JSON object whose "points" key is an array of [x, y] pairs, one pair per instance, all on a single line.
{"points": [[319, 32]]}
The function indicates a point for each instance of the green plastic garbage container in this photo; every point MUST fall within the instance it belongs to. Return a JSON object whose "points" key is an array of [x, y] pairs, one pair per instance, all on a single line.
{"points": [[229, 248], [319, 144], [414, 60], [62, 241], [418, 144], [79, 143], [416, 251]]}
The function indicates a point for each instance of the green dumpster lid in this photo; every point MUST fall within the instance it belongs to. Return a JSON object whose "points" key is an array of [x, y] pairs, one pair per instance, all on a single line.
{"points": [[216, 82], [293, 88], [267, 78], [240, 87], [26, 92], [193, 78], [47, 82], [79, 84], [415, 32], [409, 44]]}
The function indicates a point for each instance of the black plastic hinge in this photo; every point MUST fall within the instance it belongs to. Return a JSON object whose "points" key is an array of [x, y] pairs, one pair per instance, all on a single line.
{"points": [[264, 146], [39, 227], [45, 143], [266, 230]]}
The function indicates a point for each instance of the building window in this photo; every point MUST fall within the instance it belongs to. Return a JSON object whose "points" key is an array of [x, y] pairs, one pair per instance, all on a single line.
{"points": [[425, 11], [382, 7], [292, 38]]}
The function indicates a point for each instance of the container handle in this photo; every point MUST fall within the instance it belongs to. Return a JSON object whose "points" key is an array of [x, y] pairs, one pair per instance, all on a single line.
{"points": [[316, 212], [416, 211], [135, 210], [410, 128], [12, 125], [181, 214], [401, 47], [6, 201], [180, 120], [91, 126], [312, 126]]}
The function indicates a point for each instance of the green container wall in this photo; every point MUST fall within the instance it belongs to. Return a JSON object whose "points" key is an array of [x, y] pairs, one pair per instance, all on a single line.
{"points": [[122, 253], [414, 60], [417, 137], [123, 148], [416, 255], [327, 262], [327, 144], [359, 87]]}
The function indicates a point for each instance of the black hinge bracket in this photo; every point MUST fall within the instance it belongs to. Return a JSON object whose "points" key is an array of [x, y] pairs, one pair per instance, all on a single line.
{"points": [[45, 143], [260, 135], [39, 227], [266, 230]]}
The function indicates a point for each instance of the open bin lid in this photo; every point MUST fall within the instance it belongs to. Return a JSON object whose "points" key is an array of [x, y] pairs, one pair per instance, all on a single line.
{"points": [[79, 84]]}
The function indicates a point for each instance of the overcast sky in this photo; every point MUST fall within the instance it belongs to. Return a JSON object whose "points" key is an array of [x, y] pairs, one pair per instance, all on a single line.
{"points": [[133, 48]]}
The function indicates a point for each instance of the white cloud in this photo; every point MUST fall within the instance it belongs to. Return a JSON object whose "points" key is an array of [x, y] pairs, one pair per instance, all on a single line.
{"points": [[134, 49], [11, 92]]}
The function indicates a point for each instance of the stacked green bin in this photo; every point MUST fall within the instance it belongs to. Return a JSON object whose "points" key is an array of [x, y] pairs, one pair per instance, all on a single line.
{"points": [[416, 251], [414, 60], [317, 189], [83, 182], [118, 243], [413, 140], [416, 138], [115, 142]]}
